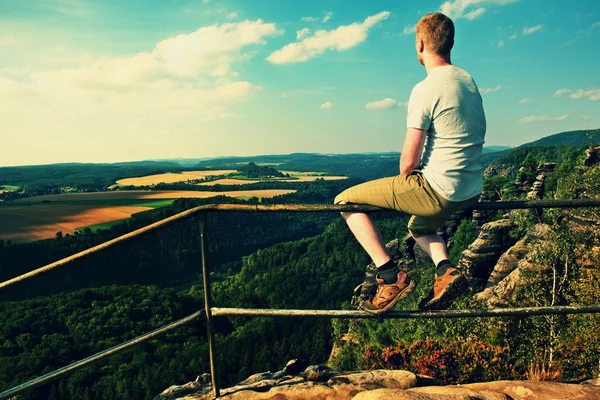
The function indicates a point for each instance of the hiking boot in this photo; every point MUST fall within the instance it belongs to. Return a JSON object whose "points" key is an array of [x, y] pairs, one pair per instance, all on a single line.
{"points": [[446, 288], [388, 294]]}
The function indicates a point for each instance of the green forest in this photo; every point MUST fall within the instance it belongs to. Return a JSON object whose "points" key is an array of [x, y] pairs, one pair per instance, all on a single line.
{"points": [[283, 260]]}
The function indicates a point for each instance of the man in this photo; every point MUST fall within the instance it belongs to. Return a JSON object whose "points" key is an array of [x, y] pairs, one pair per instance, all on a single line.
{"points": [[440, 171]]}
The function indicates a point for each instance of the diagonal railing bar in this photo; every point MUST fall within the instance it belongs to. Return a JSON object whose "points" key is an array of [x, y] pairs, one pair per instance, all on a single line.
{"points": [[210, 312], [409, 314], [501, 205], [61, 372]]}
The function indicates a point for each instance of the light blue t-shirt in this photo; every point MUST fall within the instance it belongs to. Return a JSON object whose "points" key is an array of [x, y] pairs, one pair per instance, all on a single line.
{"points": [[447, 105]]}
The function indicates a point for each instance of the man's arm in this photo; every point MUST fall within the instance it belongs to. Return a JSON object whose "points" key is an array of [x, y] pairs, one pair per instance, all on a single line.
{"points": [[412, 150]]}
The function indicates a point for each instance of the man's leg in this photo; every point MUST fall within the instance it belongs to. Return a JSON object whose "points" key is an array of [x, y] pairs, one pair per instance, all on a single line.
{"points": [[434, 246], [368, 235]]}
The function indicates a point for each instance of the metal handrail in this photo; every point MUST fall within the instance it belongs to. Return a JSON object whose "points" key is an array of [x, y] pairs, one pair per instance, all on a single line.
{"points": [[499, 205], [210, 312], [99, 356]]}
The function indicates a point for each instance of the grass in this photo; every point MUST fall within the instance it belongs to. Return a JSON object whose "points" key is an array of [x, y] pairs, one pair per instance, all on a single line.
{"points": [[9, 188]]}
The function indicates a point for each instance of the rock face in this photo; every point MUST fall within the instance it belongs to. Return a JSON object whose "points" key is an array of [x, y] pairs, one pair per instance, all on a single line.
{"points": [[546, 167], [504, 279], [478, 261], [592, 156], [537, 189], [316, 382], [319, 382]]}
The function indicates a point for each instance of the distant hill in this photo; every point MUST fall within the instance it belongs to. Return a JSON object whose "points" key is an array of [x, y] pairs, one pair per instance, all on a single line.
{"points": [[570, 138], [494, 149]]}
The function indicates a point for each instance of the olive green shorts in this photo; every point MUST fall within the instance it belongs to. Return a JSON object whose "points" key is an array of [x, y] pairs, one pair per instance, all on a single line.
{"points": [[410, 194]]}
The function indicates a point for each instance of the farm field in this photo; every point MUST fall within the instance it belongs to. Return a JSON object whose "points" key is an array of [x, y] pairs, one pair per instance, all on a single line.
{"points": [[170, 177], [40, 217], [8, 188], [24, 223]]}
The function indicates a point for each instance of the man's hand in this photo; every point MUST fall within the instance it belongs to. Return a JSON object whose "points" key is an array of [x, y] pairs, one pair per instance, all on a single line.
{"points": [[412, 150]]}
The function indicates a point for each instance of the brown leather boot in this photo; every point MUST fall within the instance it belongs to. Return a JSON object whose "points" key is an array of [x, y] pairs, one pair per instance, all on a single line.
{"points": [[446, 288], [389, 294]]}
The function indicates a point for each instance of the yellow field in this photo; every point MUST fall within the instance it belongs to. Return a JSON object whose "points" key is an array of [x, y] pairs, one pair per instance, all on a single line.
{"points": [[40, 217], [170, 177], [24, 223]]}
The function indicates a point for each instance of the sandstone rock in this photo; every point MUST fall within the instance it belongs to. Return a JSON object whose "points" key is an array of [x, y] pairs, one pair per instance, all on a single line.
{"points": [[592, 156], [510, 261], [537, 190], [546, 167], [443, 394], [478, 261], [592, 382], [498, 169], [481, 217], [530, 390], [340, 386], [178, 391], [378, 384]]}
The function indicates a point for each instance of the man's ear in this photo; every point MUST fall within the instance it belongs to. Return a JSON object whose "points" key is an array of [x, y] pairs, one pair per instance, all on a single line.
{"points": [[420, 45]]}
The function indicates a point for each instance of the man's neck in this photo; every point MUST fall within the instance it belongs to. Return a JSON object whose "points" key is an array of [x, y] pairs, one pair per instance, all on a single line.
{"points": [[433, 61]]}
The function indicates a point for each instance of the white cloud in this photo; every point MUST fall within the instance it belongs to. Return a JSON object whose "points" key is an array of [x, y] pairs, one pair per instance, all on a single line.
{"points": [[471, 15], [326, 106], [170, 90], [231, 15], [342, 38], [542, 118], [410, 29], [531, 29], [500, 43], [309, 19], [403, 104], [591, 94], [490, 90], [327, 16], [302, 33], [466, 8], [526, 100], [381, 104], [595, 25], [560, 92], [513, 37]]}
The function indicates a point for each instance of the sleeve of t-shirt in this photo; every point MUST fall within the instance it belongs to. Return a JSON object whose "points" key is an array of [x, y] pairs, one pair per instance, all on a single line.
{"points": [[420, 113]]}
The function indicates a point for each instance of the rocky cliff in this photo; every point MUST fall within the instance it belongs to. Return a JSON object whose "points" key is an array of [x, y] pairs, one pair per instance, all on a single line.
{"points": [[322, 383]]}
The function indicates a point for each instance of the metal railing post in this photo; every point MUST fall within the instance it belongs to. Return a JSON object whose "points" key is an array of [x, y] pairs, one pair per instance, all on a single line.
{"points": [[210, 329]]}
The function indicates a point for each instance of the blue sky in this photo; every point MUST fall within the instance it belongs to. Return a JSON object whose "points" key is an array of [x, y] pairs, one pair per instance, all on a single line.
{"points": [[105, 81]]}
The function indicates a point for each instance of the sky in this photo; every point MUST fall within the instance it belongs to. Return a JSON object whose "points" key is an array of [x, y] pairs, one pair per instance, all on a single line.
{"points": [[113, 80]]}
